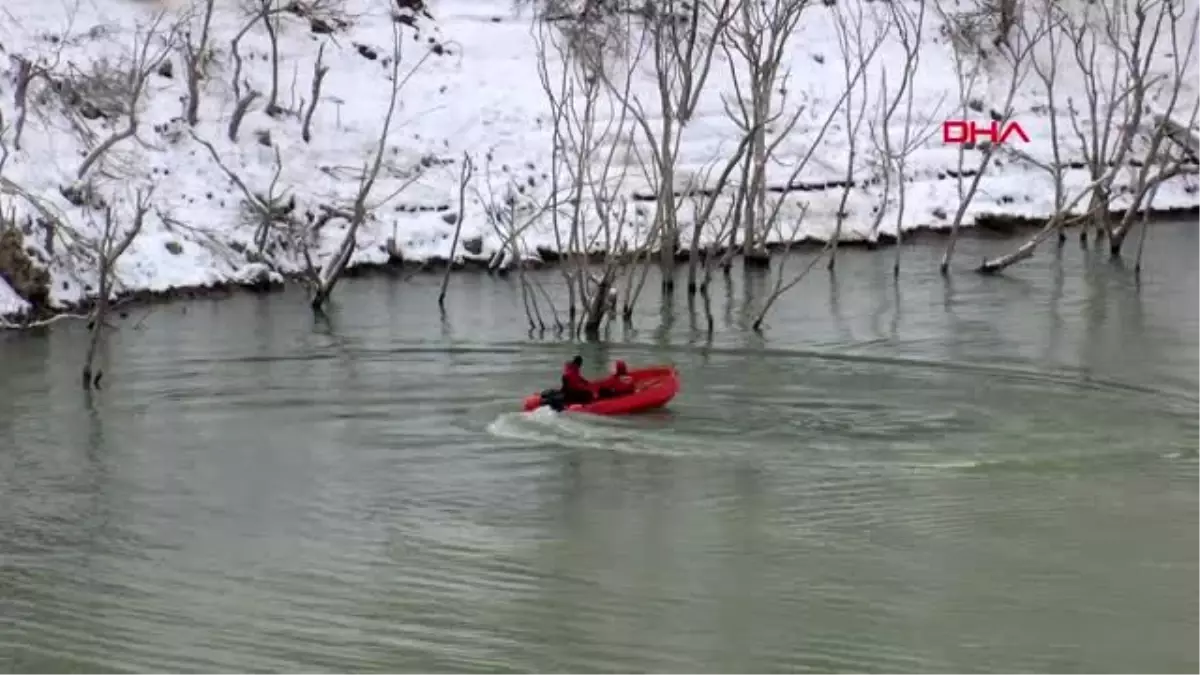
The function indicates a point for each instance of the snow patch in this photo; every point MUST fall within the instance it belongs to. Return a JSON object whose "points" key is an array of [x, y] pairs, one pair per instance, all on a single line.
{"points": [[11, 304], [477, 92]]}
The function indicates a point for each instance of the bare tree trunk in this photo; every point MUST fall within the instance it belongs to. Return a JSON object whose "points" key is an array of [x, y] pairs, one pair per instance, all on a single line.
{"points": [[1018, 58], [1145, 184], [25, 76], [269, 16], [333, 270], [755, 42], [850, 43], [111, 246], [319, 72], [464, 178], [1128, 88], [194, 55], [894, 156]]}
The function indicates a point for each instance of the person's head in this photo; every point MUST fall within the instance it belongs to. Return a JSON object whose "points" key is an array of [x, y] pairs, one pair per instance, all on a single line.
{"points": [[577, 361], [621, 369]]}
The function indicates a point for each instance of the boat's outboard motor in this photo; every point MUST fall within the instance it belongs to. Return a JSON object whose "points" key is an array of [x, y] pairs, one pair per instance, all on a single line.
{"points": [[554, 398]]}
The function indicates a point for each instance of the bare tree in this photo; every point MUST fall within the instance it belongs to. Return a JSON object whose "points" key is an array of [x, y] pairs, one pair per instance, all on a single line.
{"points": [[1143, 182], [856, 60], [1007, 11], [705, 200], [1047, 71], [27, 73], [968, 71], [109, 248], [143, 61], [573, 94], [270, 18], [1017, 58], [324, 281], [510, 216], [1145, 219], [1114, 93], [266, 209], [1157, 165], [261, 11], [893, 153], [464, 180], [771, 218], [591, 152], [4, 150], [755, 41], [684, 37], [195, 56], [319, 72], [781, 286]]}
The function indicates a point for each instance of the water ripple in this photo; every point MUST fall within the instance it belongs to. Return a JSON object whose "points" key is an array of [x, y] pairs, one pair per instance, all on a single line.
{"points": [[375, 502]]}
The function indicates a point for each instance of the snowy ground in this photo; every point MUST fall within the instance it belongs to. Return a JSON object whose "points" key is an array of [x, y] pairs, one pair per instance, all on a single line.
{"points": [[10, 302], [477, 92]]}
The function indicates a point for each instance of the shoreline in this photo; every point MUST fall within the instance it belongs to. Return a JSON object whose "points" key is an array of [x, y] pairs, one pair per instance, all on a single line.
{"points": [[990, 227]]}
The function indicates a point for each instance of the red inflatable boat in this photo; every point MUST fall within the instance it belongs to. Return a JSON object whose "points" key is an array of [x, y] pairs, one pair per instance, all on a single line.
{"points": [[654, 387]]}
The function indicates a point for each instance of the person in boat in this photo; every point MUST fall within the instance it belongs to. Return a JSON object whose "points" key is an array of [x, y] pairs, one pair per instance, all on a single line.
{"points": [[575, 387], [619, 383]]}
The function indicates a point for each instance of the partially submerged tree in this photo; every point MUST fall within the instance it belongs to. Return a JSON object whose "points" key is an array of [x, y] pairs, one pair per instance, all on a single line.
{"points": [[1047, 69], [1166, 155], [511, 214], [969, 69], [112, 243], [782, 285], [857, 59], [683, 39], [775, 211], [704, 201], [591, 130], [755, 42], [892, 153], [1113, 47], [322, 283], [466, 171], [1153, 168]]}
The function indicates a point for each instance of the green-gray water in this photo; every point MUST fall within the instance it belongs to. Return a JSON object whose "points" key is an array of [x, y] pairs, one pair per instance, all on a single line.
{"points": [[996, 476]]}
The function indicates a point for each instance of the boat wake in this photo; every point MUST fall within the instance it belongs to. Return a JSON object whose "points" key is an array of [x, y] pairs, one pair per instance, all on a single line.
{"points": [[645, 434]]}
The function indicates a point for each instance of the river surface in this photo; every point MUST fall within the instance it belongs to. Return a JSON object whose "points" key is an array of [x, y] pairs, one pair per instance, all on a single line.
{"points": [[999, 475]]}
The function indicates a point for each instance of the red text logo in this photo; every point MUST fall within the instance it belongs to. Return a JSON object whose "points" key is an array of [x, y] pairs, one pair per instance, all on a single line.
{"points": [[958, 132]]}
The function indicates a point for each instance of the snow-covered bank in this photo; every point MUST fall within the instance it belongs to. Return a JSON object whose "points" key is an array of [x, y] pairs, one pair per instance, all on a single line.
{"points": [[476, 92], [11, 304]]}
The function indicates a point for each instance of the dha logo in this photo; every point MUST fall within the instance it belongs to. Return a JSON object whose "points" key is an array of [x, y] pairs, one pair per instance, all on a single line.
{"points": [[960, 132]]}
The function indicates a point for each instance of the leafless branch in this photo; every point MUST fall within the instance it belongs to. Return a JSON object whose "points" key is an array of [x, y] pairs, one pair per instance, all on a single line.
{"points": [[195, 55], [144, 61], [464, 179], [319, 72], [337, 264], [270, 18], [893, 155], [1158, 166], [755, 43], [109, 248], [850, 35], [1018, 58]]}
